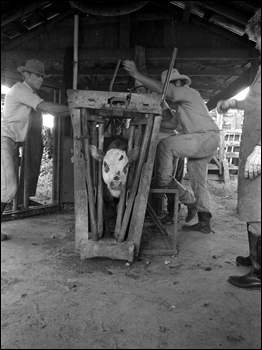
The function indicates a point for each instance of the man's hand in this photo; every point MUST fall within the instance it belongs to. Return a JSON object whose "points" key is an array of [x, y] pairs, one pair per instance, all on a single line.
{"points": [[130, 67], [224, 105], [253, 164]]}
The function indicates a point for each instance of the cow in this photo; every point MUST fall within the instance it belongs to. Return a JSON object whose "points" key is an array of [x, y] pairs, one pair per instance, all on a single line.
{"points": [[115, 165]]}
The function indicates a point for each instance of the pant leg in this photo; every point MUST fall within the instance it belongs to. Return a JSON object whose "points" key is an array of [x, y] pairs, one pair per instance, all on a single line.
{"points": [[166, 165], [197, 147], [8, 170], [198, 178]]}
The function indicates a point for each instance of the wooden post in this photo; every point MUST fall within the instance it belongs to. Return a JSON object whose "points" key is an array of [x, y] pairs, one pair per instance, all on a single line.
{"points": [[100, 199], [94, 141], [75, 69], [122, 201], [90, 188], [80, 193]]}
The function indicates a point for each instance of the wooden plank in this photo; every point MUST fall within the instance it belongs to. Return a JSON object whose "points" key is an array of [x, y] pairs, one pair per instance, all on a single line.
{"points": [[187, 11], [122, 201], [109, 101], [89, 181], [100, 198], [226, 172], [107, 248], [232, 154], [80, 193]]}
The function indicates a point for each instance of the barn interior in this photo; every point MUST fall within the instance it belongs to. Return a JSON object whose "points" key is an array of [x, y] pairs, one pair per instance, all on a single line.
{"points": [[50, 298], [81, 44]]}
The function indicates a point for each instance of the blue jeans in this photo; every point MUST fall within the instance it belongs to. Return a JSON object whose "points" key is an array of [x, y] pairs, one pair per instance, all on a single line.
{"points": [[199, 150], [9, 163]]}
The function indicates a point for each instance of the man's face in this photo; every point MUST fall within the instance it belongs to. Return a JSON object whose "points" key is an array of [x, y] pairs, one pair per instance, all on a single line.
{"points": [[177, 83], [35, 81]]}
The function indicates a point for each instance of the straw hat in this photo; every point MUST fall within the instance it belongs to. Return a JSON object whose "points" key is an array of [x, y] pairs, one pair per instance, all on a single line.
{"points": [[33, 66], [175, 76]]}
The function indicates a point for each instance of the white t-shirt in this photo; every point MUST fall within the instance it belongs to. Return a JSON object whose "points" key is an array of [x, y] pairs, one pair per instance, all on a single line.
{"points": [[19, 108]]}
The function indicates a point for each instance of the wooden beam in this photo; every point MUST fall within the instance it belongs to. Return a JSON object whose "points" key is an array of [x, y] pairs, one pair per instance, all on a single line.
{"points": [[187, 11], [159, 54], [225, 11], [21, 11], [34, 32], [242, 40], [208, 25]]}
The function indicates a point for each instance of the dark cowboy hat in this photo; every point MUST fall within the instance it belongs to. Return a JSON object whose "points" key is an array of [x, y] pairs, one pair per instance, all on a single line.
{"points": [[33, 66]]}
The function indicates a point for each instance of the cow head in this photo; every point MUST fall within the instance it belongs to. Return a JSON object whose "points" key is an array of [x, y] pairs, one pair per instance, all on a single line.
{"points": [[115, 166]]}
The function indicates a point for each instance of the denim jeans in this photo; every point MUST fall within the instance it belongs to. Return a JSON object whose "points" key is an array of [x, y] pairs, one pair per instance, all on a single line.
{"points": [[9, 162], [198, 149]]}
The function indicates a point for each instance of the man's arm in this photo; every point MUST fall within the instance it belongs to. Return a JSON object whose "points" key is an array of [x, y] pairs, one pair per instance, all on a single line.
{"points": [[54, 108], [152, 84], [224, 105]]}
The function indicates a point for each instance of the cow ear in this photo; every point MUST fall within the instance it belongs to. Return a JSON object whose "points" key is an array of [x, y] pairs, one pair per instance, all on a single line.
{"points": [[133, 154], [96, 152]]}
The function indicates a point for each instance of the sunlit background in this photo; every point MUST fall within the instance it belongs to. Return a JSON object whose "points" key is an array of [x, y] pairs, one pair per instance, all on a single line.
{"points": [[48, 119]]}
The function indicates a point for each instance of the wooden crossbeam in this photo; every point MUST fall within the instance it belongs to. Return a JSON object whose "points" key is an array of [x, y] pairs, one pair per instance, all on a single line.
{"points": [[34, 32], [21, 11]]}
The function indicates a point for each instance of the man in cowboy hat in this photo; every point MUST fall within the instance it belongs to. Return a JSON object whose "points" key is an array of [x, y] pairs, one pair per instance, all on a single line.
{"points": [[198, 141], [20, 106]]}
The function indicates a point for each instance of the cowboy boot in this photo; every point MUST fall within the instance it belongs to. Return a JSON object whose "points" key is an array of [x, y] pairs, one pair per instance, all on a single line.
{"points": [[203, 224], [252, 280], [3, 236], [245, 261]]}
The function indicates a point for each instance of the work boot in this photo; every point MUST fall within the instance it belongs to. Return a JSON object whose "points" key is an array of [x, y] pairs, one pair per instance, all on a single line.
{"points": [[203, 224], [252, 280], [244, 261], [3, 236], [192, 210]]}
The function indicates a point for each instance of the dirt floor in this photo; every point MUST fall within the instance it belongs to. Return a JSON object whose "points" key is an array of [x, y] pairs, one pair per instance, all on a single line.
{"points": [[53, 300]]}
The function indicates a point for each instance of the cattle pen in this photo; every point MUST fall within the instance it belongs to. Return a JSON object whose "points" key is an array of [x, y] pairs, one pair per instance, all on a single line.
{"points": [[91, 113]]}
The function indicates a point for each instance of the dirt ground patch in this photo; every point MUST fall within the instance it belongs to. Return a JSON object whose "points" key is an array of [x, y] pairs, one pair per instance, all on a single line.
{"points": [[52, 300]]}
